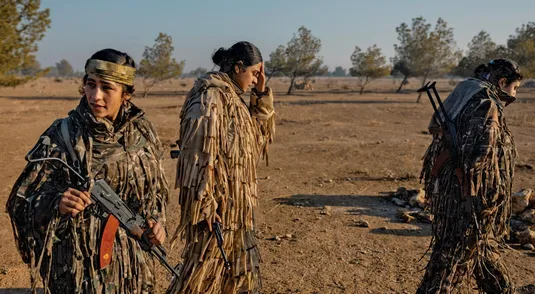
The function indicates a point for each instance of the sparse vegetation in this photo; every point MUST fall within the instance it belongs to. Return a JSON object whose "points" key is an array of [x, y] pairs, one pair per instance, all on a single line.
{"points": [[368, 65], [422, 52], [298, 59], [64, 68], [22, 24], [158, 63]]}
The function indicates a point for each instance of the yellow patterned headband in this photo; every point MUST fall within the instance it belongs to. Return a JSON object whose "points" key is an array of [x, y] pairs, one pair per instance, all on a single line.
{"points": [[111, 71]]}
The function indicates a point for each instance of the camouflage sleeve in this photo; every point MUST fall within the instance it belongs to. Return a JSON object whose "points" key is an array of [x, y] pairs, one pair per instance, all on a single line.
{"points": [[33, 201], [263, 114], [161, 190], [478, 140]]}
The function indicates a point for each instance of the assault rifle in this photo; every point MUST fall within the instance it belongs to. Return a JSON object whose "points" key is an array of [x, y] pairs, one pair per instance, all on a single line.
{"points": [[111, 204], [449, 131]]}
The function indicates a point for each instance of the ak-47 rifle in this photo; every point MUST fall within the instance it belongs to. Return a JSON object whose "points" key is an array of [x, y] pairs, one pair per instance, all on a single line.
{"points": [[111, 204], [449, 131], [216, 225]]}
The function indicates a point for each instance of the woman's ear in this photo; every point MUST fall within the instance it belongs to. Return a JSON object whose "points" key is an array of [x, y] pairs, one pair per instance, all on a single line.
{"points": [[126, 97], [239, 67], [502, 83]]}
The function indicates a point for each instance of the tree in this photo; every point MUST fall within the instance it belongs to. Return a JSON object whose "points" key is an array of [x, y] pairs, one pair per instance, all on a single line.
{"points": [[522, 48], [32, 67], [157, 64], [301, 56], [276, 63], [426, 53], [22, 25], [480, 50], [368, 66], [64, 68], [339, 72], [52, 71], [401, 69], [298, 59], [200, 71]]}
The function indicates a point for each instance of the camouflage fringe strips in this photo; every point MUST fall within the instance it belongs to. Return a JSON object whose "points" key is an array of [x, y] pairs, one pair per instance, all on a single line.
{"points": [[468, 229], [221, 142], [64, 250]]}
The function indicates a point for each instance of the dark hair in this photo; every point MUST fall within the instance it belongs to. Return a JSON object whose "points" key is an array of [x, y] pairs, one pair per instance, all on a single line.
{"points": [[497, 69], [242, 51], [117, 57]]}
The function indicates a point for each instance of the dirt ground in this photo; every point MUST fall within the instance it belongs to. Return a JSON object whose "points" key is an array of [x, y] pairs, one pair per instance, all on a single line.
{"points": [[333, 147]]}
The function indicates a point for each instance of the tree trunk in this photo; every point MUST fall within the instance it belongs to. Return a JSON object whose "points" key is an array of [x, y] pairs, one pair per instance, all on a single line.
{"points": [[148, 86], [405, 78], [423, 84], [363, 85], [291, 85], [271, 74]]}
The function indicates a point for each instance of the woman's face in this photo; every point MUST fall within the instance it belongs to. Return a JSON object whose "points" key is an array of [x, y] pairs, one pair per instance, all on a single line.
{"points": [[511, 88], [104, 97], [248, 76]]}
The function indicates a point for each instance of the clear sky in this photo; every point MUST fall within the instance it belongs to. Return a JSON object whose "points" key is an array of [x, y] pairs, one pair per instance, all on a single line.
{"points": [[198, 28]]}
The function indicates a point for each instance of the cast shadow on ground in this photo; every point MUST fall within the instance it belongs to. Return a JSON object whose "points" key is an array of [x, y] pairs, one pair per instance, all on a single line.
{"points": [[322, 102], [40, 98], [359, 205], [19, 291]]}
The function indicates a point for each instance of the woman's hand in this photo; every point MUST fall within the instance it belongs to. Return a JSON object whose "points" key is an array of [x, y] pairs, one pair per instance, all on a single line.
{"points": [[215, 218], [261, 80], [157, 233], [73, 201]]}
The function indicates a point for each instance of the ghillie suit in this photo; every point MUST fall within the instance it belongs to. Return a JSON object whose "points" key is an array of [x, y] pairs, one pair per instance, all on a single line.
{"points": [[64, 250], [221, 142], [471, 221]]}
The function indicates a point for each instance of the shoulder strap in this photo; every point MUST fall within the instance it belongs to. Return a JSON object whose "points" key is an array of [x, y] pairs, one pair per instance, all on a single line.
{"points": [[67, 139]]}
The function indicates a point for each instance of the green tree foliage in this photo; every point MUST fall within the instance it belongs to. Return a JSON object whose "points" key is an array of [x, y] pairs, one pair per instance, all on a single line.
{"points": [[22, 25], [522, 48], [480, 50], [298, 59], [64, 68], [158, 63], [368, 65], [424, 51], [339, 72]]}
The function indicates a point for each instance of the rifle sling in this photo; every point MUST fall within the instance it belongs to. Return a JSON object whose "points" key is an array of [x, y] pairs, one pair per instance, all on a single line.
{"points": [[442, 159], [112, 224]]}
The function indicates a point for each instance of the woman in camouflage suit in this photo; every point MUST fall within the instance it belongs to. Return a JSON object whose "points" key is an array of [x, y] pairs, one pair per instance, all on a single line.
{"points": [[471, 199], [56, 228], [221, 141]]}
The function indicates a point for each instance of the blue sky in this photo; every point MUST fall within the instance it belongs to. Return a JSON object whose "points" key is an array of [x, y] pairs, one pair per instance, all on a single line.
{"points": [[198, 28]]}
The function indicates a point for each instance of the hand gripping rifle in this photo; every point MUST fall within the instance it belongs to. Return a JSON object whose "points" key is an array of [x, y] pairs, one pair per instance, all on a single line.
{"points": [[219, 237], [217, 226], [111, 204]]}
